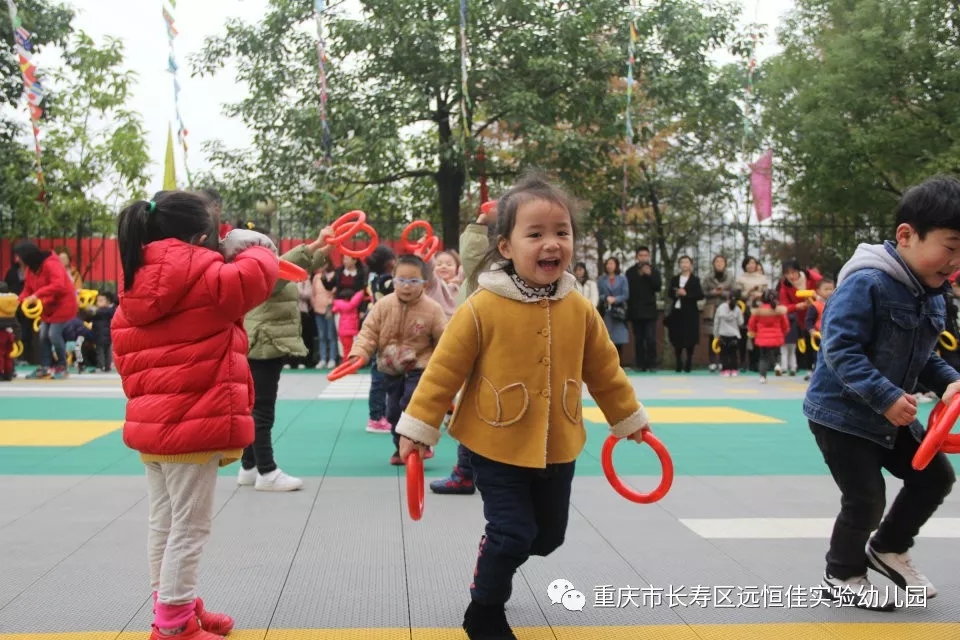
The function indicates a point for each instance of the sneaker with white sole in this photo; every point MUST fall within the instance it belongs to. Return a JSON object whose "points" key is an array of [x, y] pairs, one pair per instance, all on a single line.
{"points": [[857, 591], [277, 480], [378, 426], [899, 568], [247, 477]]}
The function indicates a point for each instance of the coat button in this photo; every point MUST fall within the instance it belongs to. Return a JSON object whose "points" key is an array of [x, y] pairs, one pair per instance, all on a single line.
{"points": [[545, 361], [545, 393], [544, 332]]}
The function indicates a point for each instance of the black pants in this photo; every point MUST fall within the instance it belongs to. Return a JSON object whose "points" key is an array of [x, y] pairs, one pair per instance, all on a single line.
{"points": [[855, 464], [104, 355], [685, 364], [729, 352], [266, 380], [767, 358], [645, 343], [399, 391], [526, 511]]}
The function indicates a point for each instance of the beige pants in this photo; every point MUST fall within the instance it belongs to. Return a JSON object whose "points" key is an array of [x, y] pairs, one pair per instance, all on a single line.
{"points": [[181, 514]]}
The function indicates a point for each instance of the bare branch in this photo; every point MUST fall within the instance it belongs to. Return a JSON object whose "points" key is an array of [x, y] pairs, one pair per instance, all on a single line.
{"points": [[419, 173]]}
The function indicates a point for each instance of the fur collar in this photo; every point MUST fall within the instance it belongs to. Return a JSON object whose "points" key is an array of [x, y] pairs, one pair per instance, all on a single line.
{"points": [[499, 281]]}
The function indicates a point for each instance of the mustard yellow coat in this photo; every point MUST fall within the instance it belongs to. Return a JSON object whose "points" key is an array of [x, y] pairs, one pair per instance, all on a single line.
{"points": [[522, 364]]}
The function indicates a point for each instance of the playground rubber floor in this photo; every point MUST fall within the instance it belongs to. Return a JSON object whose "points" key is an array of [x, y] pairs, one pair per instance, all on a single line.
{"points": [[734, 551]]}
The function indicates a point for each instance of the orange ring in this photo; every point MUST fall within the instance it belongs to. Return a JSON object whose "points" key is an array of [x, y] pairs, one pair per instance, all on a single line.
{"points": [[346, 368], [415, 485], [488, 206], [430, 250], [291, 272], [367, 250], [606, 460], [351, 230], [413, 247], [938, 437]]}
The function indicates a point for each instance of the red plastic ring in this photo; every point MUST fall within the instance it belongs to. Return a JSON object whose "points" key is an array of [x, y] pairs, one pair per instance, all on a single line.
{"points": [[429, 249], [348, 232], [488, 206], [292, 272], [412, 247], [415, 485], [367, 250], [346, 367], [938, 437], [666, 480]]}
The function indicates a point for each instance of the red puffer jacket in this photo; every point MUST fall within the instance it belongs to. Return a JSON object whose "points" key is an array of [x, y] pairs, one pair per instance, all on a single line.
{"points": [[54, 287], [768, 331], [181, 350]]}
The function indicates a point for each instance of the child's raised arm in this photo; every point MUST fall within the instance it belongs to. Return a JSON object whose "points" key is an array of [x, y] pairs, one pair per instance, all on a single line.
{"points": [[842, 345], [245, 283]]}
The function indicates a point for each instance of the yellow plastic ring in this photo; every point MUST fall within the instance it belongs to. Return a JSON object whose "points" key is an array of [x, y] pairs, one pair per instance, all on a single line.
{"points": [[87, 297], [948, 341], [802, 345], [815, 338], [742, 305], [806, 293], [715, 345], [36, 325], [32, 311], [17, 349]]}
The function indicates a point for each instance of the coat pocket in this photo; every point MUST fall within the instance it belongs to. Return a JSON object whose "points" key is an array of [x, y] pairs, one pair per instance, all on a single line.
{"points": [[501, 407], [572, 400]]}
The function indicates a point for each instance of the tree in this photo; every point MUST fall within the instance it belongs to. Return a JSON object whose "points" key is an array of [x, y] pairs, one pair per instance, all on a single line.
{"points": [[48, 24], [863, 101], [96, 150], [395, 90]]}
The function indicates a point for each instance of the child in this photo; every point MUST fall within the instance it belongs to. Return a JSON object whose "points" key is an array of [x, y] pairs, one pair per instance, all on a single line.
{"points": [[727, 321], [815, 313], [880, 332], [8, 331], [768, 332], [101, 321], [322, 303], [347, 306], [181, 352], [402, 329], [448, 268], [381, 264], [521, 347]]}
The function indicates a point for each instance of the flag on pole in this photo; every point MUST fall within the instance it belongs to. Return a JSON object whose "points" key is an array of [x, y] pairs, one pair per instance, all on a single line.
{"points": [[32, 88], [172, 68], [169, 168], [761, 183]]}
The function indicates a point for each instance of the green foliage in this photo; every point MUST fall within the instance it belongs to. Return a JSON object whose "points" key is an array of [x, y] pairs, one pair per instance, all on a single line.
{"points": [[863, 101]]}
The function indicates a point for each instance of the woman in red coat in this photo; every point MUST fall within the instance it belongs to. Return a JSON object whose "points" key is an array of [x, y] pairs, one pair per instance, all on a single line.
{"points": [[795, 279], [50, 283], [181, 352]]}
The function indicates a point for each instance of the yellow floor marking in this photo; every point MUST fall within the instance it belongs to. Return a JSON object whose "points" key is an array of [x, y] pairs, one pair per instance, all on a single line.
{"points": [[793, 631], [54, 433], [691, 415], [684, 392], [743, 391]]}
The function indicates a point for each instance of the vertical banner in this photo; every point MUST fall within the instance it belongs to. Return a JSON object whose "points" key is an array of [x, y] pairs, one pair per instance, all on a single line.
{"points": [[32, 88], [465, 105], [167, 10], [761, 183], [319, 7]]}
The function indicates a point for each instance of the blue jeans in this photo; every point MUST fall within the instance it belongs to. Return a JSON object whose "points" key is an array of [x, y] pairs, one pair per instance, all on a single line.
{"points": [[327, 336], [51, 339], [377, 400], [526, 511], [399, 391]]}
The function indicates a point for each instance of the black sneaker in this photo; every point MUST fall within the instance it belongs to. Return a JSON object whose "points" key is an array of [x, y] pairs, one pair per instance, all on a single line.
{"points": [[857, 592], [487, 622]]}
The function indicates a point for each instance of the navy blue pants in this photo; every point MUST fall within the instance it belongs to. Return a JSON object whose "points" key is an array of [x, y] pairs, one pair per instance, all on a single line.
{"points": [[399, 391], [463, 461], [526, 511], [378, 392]]}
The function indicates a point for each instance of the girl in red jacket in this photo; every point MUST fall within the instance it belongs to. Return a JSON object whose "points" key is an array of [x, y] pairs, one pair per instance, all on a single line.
{"points": [[181, 352], [48, 281], [347, 306], [769, 333]]}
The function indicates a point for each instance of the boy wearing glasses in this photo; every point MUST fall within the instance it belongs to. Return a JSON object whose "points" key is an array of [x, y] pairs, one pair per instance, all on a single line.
{"points": [[402, 328]]}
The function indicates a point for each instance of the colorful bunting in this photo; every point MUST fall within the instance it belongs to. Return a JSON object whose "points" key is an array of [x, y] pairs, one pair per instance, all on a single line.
{"points": [[173, 68], [32, 88], [326, 160], [631, 59], [465, 105]]}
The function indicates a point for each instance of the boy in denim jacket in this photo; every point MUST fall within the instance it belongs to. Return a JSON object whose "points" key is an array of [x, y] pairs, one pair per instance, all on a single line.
{"points": [[880, 333]]}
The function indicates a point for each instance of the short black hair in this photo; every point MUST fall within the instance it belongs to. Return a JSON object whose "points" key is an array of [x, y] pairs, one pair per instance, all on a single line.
{"points": [[413, 261], [930, 205], [824, 280], [642, 247], [108, 295]]}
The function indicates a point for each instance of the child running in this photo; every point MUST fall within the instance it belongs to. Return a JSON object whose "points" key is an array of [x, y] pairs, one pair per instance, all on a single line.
{"points": [[880, 331], [181, 353], [727, 322], [521, 347], [402, 329]]}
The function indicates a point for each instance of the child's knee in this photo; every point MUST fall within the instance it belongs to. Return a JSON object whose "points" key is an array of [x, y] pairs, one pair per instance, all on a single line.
{"points": [[547, 541]]}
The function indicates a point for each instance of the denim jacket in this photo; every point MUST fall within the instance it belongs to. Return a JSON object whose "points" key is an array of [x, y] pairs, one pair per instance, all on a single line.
{"points": [[880, 330]]}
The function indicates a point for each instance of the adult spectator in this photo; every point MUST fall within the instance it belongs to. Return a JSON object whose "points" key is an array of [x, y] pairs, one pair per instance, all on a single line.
{"points": [[586, 286], [614, 291], [752, 284], [683, 322], [644, 282], [716, 284]]}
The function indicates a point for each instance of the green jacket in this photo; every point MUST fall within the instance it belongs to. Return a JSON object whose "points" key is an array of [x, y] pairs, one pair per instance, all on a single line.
{"points": [[473, 244], [273, 328]]}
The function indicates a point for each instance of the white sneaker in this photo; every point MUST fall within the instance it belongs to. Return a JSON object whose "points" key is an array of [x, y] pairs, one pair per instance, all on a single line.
{"points": [[277, 480], [857, 591], [899, 568], [331, 364], [247, 477]]}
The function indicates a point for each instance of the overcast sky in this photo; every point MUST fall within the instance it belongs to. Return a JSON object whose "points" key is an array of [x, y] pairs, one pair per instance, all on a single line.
{"points": [[140, 25]]}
